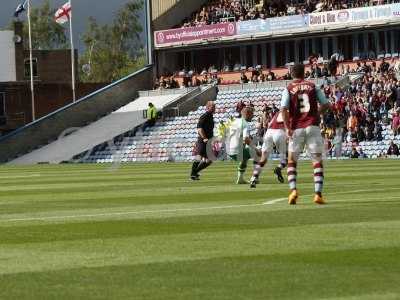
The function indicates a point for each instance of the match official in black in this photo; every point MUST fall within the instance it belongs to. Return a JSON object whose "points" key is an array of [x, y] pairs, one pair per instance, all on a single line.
{"points": [[205, 130]]}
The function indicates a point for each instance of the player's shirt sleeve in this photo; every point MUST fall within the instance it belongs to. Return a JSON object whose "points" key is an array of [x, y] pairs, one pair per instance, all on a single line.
{"points": [[285, 102], [321, 97]]}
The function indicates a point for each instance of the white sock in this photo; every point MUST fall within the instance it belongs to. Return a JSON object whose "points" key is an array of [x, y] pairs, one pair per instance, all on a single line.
{"points": [[257, 171]]}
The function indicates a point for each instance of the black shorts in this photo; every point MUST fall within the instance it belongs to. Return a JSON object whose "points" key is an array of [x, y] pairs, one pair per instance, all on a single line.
{"points": [[201, 149]]}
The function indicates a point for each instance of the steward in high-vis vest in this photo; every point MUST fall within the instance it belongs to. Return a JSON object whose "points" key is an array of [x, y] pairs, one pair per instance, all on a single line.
{"points": [[151, 117]]}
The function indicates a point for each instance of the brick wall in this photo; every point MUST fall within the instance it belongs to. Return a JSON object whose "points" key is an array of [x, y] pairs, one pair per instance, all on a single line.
{"points": [[48, 98]]}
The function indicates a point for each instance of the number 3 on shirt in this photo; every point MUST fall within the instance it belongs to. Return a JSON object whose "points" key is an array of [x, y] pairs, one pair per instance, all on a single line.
{"points": [[304, 103]]}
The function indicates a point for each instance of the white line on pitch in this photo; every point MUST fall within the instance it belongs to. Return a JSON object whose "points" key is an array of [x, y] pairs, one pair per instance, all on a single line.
{"points": [[130, 213], [127, 213], [330, 194]]}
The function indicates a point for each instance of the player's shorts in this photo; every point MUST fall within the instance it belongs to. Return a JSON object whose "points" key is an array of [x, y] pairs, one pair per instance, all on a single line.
{"points": [[275, 137], [245, 156], [309, 137], [201, 149]]}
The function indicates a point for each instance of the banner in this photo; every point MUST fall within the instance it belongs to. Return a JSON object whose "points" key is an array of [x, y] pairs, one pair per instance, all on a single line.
{"points": [[306, 23], [193, 34], [288, 23], [354, 16], [253, 27], [272, 25], [396, 10]]}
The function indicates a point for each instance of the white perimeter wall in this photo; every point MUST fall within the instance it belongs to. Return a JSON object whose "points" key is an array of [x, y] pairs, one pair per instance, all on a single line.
{"points": [[7, 57]]}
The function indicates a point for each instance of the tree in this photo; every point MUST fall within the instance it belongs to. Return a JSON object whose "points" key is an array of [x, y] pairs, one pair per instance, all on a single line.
{"points": [[46, 33], [113, 50]]}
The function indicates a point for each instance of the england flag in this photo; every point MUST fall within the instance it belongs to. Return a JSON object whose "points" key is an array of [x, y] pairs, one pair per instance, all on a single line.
{"points": [[63, 15]]}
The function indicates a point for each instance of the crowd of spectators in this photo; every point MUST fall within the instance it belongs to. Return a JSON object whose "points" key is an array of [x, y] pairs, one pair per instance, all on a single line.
{"points": [[166, 82], [188, 80], [217, 11], [359, 112], [363, 111]]}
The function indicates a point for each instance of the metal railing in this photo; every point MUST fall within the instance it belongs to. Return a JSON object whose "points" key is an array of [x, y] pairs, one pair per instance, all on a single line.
{"points": [[164, 92]]}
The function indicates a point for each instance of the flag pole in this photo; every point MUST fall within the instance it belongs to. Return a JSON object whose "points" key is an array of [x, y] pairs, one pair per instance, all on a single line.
{"points": [[72, 54], [31, 61]]}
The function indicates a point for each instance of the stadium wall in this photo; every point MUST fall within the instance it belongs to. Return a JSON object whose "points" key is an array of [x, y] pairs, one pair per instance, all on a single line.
{"points": [[167, 14], [48, 98], [78, 114]]}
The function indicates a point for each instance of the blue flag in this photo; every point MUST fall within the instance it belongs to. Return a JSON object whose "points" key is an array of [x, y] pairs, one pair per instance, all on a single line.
{"points": [[20, 9]]}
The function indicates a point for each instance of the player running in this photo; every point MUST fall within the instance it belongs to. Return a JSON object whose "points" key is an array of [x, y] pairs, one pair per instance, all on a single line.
{"points": [[239, 142], [275, 135], [302, 105]]}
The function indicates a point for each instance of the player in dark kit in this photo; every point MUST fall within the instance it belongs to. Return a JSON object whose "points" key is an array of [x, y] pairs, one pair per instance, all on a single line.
{"points": [[205, 130], [302, 105]]}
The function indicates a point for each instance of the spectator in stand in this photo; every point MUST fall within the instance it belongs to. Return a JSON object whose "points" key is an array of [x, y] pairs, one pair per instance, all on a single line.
{"points": [[270, 75], [397, 87], [288, 75], [354, 153], [360, 134], [352, 123], [156, 84], [396, 123], [369, 129], [378, 131], [325, 72], [196, 81], [243, 78], [316, 72], [393, 149], [361, 153], [206, 79], [384, 67]]}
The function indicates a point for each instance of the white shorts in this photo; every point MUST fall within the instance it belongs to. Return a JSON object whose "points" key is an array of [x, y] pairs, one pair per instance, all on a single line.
{"points": [[275, 137], [309, 137]]}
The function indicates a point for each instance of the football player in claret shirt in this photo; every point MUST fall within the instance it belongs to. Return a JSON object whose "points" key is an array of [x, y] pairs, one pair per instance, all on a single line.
{"points": [[302, 106], [275, 135]]}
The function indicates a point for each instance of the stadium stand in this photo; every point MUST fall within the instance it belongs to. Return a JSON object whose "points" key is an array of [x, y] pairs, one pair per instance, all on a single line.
{"points": [[372, 99], [173, 139], [111, 139]]}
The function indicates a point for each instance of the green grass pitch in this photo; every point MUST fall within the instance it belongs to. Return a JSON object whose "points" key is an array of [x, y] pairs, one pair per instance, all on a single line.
{"points": [[146, 232]]}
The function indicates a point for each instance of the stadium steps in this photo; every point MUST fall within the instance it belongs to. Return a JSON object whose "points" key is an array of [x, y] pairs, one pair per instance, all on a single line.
{"points": [[105, 129]]}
